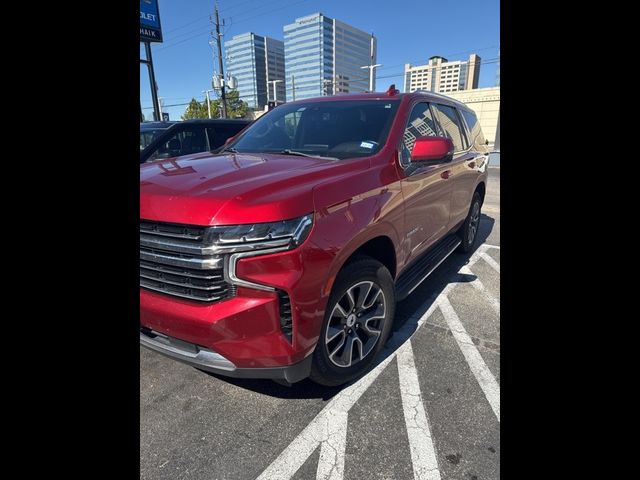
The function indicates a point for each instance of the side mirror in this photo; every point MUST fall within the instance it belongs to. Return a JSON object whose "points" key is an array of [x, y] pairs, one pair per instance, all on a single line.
{"points": [[429, 149], [174, 144]]}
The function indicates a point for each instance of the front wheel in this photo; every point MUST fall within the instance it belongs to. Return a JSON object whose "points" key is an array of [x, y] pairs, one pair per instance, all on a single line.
{"points": [[357, 322], [469, 230]]}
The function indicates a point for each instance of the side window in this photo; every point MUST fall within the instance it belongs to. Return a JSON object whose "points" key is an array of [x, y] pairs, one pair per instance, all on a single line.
{"points": [[183, 142], [219, 134], [420, 124], [450, 123], [477, 138], [193, 141]]}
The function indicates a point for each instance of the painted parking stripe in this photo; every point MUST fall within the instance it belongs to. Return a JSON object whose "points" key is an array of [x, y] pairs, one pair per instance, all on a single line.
{"points": [[492, 246], [423, 454], [492, 263], [332, 449], [317, 432], [478, 285], [483, 375]]}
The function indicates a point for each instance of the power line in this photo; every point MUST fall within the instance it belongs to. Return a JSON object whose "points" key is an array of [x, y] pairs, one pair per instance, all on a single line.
{"points": [[205, 17], [204, 32]]}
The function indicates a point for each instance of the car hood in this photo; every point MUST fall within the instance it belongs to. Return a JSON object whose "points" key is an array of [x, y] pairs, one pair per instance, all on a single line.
{"points": [[225, 189]]}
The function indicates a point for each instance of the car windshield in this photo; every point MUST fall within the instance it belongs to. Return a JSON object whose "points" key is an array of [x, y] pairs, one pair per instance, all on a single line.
{"points": [[147, 136], [339, 129]]}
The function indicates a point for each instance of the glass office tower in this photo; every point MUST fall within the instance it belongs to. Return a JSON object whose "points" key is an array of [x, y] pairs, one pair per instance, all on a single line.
{"points": [[323, 56], [256, 61]]}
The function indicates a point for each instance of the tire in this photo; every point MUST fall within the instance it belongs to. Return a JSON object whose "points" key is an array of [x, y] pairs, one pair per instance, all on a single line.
{"points": [[332, 363], [468, 232]]}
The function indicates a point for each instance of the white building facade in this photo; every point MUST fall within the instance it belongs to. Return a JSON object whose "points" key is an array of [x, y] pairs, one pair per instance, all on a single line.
{"points": [[443, 76]]}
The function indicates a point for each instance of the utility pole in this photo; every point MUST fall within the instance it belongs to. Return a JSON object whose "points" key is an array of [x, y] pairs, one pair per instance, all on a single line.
{"points": [[293, 87], [275, 91], [220, 64], [208, 101]]}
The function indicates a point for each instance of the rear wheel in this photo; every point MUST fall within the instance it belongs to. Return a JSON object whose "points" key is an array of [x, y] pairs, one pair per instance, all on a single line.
{"points": [[468, 232], [357, 322]]}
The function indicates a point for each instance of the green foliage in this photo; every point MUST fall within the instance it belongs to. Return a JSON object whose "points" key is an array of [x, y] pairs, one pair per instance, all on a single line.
{"points": [[195, 109], [236, 108]]}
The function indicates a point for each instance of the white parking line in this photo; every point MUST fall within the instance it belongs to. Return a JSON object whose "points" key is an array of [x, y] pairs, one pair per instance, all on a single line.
{"points": [[328, 428], [478, 285], [492, 263], [483, 375], [491, 246], [331, 462], [423, 454], [318, 432]]}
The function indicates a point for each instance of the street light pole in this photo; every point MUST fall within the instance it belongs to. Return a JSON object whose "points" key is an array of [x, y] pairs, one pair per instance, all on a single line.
{"points": [[275, 90], [208, 101], [371, 68]]}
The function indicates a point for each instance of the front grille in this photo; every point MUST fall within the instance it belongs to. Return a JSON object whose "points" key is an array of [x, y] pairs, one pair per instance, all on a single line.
{"points": [[171, 262]]}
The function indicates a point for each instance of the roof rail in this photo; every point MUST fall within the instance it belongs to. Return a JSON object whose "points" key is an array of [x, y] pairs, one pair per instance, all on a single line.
{"points": [[439, 95]]}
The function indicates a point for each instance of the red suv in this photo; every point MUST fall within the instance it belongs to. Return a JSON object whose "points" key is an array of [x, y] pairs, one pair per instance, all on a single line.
{"points": [[283, 255]]}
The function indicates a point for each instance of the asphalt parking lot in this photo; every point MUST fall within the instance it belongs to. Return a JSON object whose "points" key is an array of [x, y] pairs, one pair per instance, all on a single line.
{"points": [[430, 409]]}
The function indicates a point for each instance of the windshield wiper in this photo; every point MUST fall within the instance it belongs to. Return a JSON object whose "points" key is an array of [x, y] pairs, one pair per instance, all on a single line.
{"points": [[302, 154], [230, 149]]}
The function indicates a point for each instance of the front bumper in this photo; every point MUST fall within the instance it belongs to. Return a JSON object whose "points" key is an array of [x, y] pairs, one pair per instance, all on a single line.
{"points": [[210, 361]]}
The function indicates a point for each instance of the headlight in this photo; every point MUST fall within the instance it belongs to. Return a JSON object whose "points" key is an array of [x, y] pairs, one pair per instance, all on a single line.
{"points": [[258, 239], [237, 238]]}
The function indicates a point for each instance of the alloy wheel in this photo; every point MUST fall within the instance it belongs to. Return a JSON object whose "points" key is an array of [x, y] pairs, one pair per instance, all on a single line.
{"points": [[474, 221], [355, 324]]}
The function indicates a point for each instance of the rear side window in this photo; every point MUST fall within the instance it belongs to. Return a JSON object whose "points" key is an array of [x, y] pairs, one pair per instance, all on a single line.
{"points": [[450, 123], [219, 134], [477, 137]]}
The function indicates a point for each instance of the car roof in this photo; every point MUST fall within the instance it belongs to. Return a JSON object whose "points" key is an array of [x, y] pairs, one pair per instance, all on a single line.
{"points": [[425, 95], [213, 121], [155, 125], [194, 121]]}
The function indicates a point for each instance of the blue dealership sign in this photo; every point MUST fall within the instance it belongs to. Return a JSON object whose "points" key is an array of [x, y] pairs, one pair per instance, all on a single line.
{"points": [[150, 30]]}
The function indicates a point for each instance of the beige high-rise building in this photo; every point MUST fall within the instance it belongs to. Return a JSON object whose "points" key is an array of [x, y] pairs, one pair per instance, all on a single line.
{"points": [[443, 76]]}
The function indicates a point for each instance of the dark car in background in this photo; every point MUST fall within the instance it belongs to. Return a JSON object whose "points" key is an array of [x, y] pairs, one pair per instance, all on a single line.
{"points": [[163, 140], [149, 131]]}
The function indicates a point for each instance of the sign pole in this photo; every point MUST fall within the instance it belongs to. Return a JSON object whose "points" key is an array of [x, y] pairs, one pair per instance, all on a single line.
{"points": [[152, 80]]}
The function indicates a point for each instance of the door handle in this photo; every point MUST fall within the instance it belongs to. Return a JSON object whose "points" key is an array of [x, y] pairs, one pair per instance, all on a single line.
{"points": [[446, 174]]}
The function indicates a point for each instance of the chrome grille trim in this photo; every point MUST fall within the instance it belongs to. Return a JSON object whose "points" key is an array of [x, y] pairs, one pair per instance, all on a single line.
{"points": [[199, 249], [173, 261], [187, 283], [177, 261]]}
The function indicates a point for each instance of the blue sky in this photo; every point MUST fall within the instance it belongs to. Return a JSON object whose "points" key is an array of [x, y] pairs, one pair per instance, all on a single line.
{"points": [[408, 31]]}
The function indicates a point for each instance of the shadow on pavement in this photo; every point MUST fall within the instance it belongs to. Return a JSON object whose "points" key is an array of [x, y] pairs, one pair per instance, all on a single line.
{"points": [[405, 325]]}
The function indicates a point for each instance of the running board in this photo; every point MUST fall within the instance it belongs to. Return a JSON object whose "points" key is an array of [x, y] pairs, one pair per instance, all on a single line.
{"points": [[422, 268]]}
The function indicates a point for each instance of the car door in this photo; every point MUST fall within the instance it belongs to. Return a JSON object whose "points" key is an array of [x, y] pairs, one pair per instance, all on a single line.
{"points": [[462, 172], [425, 188]]}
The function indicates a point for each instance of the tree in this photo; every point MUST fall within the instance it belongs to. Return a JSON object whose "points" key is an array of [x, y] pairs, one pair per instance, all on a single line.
{"points": [[236, 108], [196, 109]]}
